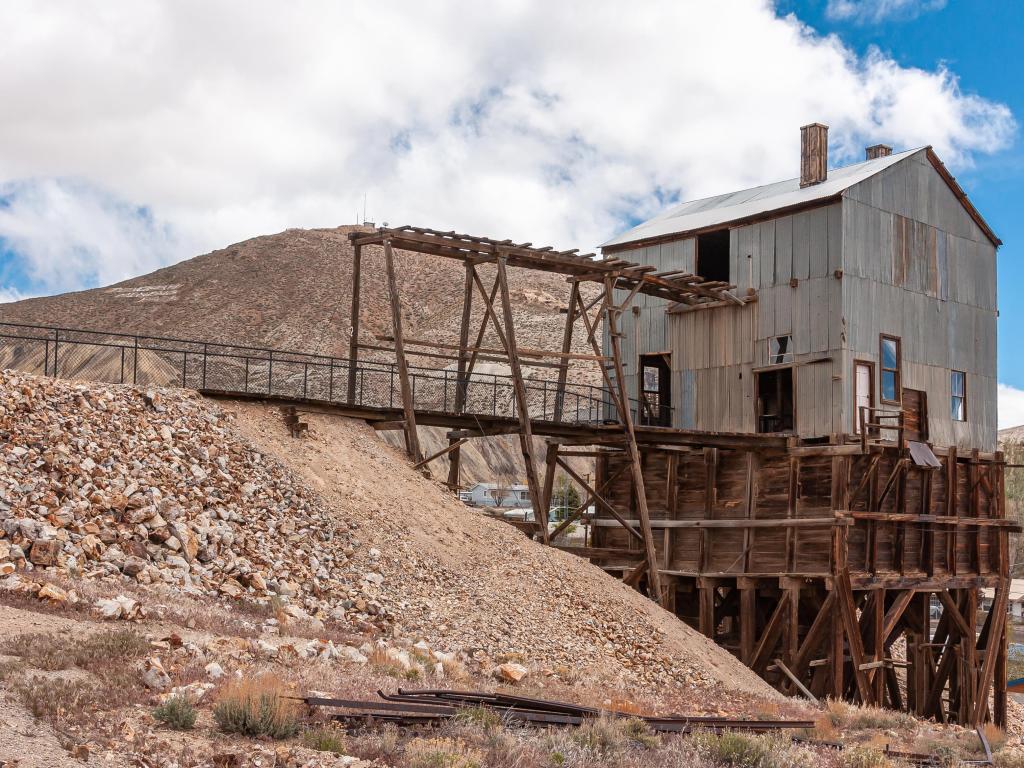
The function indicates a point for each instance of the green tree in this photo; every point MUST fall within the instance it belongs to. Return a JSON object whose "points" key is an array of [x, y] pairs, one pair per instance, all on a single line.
{"points": [[565, 498]]}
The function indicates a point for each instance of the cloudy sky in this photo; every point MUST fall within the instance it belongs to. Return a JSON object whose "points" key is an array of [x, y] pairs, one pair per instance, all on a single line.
{"points": [[138, 133]]}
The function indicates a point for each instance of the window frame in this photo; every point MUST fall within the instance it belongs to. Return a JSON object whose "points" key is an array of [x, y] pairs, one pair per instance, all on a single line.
{"points": [[787, 357], [871, 394], [962, 397], [897, 371]]}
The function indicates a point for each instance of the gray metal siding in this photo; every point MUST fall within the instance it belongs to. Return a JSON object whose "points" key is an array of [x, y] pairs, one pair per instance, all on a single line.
{"points": [[941, 301], [897, 255]]}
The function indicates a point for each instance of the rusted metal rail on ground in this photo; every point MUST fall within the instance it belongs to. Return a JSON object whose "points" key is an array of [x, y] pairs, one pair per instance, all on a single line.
{"points": [[433, 706]]}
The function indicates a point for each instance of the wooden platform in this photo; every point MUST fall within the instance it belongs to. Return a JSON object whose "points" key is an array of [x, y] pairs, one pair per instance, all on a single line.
{"points": [[820, 566]]}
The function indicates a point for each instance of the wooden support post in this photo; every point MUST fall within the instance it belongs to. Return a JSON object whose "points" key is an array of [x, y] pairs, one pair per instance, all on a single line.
{"points": [[708, 588], [626, 416], [791, 512], [837, 653], [353, 320], [844, 596], [412, 442], [793, 621], [999, 688], [952, 509], [462, 379], [748, 618], [671, 503], [563, 371], [550, 465], [770, 635], [525, 428], [815, 636], [750, 500], [878, 645], [996, 638], [710, 490]]}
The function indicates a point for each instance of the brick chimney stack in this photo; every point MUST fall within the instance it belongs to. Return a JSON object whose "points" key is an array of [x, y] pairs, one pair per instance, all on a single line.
{"points": [[876, 151], [813, 154]]}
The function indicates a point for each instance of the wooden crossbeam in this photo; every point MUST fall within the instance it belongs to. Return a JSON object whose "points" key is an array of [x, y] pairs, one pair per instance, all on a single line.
{"points": [[444, 451], [599, 499]]}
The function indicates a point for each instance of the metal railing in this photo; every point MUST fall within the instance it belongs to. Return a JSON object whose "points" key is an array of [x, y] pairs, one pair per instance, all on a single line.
{"points": [[235, 369]]}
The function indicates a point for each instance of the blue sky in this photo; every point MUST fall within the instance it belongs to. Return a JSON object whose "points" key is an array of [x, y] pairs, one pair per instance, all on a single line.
{"points": [[137, 133], [980, 41]]}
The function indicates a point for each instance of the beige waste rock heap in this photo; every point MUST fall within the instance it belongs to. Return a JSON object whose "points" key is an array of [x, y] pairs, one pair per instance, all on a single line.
{"points": [[164, 488]]}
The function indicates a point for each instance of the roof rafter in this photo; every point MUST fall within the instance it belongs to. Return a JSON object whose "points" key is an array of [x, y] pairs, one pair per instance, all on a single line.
{"points": [[676, 287]]}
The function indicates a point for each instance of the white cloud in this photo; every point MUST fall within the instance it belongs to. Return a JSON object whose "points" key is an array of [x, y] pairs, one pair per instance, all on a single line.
{"points": [[875, 11], [548, 122], [10, 294], [71, 234], [1011, 406]]}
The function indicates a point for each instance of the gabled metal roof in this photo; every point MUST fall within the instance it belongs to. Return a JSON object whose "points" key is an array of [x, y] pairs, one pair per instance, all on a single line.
{"points": [[781, 195]]}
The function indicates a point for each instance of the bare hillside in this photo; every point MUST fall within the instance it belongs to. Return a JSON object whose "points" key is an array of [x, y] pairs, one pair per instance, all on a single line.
{"points": [[292, 291], [169, 490]]}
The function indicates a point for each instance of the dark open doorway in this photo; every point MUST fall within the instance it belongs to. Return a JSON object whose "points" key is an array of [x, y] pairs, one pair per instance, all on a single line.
{"points": [[775, 400], [713, 255], [655, 390]]}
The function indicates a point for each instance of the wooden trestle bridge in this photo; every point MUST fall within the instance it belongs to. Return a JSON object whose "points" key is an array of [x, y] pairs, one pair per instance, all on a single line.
{"points": [[818, 563]]}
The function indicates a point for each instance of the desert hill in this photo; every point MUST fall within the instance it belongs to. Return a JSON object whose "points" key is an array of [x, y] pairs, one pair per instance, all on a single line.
{"points": [[292, 291]]}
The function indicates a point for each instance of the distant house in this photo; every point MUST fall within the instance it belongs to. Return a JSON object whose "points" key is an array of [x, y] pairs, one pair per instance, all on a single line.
{"points": [[1016, 601], [496, 495]]}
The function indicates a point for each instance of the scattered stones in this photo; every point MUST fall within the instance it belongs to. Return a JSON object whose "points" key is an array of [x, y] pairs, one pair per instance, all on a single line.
{"points": [[153, 675], [511, 672], [120, 607]]}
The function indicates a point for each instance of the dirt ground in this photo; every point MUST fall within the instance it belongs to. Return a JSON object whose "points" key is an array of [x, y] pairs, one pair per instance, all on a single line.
{"points": [[467, 580]]}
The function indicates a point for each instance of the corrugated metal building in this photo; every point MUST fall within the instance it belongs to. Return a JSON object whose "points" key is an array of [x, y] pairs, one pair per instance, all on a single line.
{"points": [[869, 286]]}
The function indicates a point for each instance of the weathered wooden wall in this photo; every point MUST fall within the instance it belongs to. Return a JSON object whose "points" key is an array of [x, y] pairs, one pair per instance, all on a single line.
{"points": [[716, 352], [749, 484], [897, 255], [917, 266]]}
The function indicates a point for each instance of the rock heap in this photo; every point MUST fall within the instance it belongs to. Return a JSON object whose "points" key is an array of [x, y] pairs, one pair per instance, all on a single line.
{"points": [[153, 486]]}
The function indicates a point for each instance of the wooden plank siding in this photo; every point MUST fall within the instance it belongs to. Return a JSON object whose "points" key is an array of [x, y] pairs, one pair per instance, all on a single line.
{"points": [[897, 255], [785, 488], [917, 266]]}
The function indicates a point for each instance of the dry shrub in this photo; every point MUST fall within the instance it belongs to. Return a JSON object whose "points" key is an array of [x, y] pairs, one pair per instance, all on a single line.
{"points": [[1012, 757], [479, 717], [94, 652], [442, 753], [257, 707], [996, 736], [863, 718], [57, 700], [865, 757], [177, 713], [381, 745], [731, 749], [325, 739]]}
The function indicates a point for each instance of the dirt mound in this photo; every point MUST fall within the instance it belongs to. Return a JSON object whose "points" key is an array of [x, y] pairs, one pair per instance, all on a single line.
{"points": [[165, 489], [292, 291]]}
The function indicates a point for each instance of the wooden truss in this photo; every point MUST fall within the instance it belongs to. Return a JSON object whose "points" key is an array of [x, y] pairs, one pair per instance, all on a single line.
{"points": [[620, 282]]}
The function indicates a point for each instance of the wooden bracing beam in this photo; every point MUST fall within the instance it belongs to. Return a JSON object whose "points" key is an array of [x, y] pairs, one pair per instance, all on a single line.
{"points": [[599, 500], [626, 417], [353, 339], [412, 441], [526, 431], [994, 648], [462, 379], [563, 371]]}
